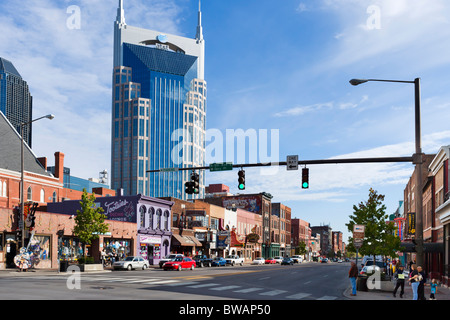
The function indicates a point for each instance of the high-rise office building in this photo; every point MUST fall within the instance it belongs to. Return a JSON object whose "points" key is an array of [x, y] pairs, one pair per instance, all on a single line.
{"points": [[15, 98], [158, 109]]}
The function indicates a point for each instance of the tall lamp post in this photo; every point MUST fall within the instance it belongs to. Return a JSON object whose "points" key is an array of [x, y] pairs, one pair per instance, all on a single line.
{"points": [[418, 160], [22, 176]]}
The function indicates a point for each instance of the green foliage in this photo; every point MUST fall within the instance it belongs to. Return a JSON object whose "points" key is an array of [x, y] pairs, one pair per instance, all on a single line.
{"points": [[379, 238], [90, 221], [301, 249], [86, 260]]}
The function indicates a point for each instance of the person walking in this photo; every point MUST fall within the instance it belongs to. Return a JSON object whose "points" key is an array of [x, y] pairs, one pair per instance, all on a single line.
{"points": [[353, 274], [400, 277], [422, 280], [414, 280]]}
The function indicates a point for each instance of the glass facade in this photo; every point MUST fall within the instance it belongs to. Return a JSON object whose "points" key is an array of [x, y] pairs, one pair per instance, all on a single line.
{"points": [[159, 110], [15, 98]]}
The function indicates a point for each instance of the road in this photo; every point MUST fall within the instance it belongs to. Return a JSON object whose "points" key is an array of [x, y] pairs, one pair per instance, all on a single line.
{"points": [[307, 281]]}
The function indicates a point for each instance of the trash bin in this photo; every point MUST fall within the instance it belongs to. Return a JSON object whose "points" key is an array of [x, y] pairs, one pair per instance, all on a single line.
{"points": [[361, 284], [63, 266]]}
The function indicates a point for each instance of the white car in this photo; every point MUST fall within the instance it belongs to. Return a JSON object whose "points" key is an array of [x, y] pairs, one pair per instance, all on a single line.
{"points": [[131, 263], [259, 261], [297, 259], [278, 259]]}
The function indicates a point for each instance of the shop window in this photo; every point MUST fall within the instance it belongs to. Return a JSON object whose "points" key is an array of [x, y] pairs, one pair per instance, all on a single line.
{"points": [[69, 249], [42, 247]]}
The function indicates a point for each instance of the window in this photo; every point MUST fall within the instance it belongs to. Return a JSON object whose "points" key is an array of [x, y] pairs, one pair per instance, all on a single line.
{"points": [[42, 196], [29, 194], [43, 244], [54, 196]]}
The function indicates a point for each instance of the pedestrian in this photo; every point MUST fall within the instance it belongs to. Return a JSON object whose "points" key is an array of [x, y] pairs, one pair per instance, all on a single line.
{"points": [[353, 274], [413, 279], [433, 289], [422, 280], [400, 281]]}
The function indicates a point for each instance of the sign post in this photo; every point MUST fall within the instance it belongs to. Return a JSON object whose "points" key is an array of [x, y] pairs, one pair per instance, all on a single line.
{"points": [[358, 238]]}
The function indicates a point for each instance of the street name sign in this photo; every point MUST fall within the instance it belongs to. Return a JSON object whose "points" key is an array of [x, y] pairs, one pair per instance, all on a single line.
{"points": [[224, 166]]}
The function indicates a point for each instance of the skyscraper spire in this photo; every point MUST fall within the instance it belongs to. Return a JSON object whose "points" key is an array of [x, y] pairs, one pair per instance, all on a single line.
{"points": [[121, 14], [199, 36]]}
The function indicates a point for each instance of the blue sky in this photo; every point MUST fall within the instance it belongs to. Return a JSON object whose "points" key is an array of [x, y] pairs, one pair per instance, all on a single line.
{"points": [[269, 65]]}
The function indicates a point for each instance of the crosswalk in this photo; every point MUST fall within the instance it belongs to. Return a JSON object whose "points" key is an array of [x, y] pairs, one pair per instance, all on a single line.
{"points": [[203, 287]]}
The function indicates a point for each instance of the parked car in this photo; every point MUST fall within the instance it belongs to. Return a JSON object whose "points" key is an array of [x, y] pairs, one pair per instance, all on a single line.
{"points": [[202, 261], [278, 259], [131, 263], [234, 260], [380, 264], [270, 261], [180, 263], [259, 261], [168, 258], [219, 261], [287, 261], [324, 260], [369, 269], [297, 259]]}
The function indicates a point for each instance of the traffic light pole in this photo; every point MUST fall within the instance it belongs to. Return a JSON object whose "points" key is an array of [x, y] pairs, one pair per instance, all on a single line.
{"points": [[302, 162]]}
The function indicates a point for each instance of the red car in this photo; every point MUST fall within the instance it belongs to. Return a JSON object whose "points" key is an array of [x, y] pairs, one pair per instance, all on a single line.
{"points": [[180, 263], [271, 261]]}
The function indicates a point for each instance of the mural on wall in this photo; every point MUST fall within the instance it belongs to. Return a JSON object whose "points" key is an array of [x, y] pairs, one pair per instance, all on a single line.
{"points": [[249, 203]]}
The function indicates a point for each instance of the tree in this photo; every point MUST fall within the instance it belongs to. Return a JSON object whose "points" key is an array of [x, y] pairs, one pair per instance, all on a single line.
{"points": [[90, 221], [379, 238], [301, 249]]}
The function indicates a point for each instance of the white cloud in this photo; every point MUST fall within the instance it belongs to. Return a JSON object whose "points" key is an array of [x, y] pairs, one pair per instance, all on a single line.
{"points": [[69, 70]]}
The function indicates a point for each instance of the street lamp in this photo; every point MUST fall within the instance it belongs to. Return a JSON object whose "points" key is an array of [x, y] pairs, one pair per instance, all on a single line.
{"points": [[418, 160], [22, 177]]}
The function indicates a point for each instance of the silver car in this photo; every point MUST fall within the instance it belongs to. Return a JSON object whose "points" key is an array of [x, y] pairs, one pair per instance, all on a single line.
{"points": [[131, 263]]}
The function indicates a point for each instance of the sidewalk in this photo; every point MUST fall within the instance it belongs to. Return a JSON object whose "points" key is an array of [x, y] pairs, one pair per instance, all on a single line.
{"points": [[443, 293]]}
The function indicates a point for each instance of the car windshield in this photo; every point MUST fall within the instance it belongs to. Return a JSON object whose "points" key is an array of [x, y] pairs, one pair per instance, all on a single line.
{"points": [[198, 257], [217, 258], [129, 258]]}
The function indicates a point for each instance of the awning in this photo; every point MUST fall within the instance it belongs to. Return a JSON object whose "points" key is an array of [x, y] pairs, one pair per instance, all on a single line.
{"points": [[185, 241], [435, 247]]}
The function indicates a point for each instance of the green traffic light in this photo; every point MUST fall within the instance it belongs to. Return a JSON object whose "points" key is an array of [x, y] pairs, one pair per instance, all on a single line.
{"points": [[305, 185], [241, 186]]}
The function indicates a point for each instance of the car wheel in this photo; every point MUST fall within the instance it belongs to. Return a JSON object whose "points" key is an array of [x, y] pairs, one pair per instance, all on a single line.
{"points": [[144, 267], [179, 268], [192, 267], [200, 265], [129, 267]]}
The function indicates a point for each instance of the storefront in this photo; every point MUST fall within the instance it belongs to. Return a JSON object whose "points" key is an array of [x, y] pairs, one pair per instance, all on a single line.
{"points": [[140, 225], [186, 244]]}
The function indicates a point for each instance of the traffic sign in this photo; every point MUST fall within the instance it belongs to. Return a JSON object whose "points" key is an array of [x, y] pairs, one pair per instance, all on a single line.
{"points": [[168, 169], [225, 166], [292, 163]]}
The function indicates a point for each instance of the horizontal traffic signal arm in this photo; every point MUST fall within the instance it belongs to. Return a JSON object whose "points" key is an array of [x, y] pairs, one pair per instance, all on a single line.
{"points": [[304, 162]]}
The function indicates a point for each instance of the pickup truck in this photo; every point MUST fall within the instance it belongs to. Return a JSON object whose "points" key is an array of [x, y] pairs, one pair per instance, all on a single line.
{"points": [[233, 260], [202, 261]]}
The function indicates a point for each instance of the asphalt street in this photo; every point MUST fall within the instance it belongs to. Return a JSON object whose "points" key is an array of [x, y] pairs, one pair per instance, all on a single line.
{"points": [[308, 281]]}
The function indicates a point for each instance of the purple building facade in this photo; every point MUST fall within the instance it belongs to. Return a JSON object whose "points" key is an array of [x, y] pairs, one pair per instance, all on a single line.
{"points": [[152, 217]]}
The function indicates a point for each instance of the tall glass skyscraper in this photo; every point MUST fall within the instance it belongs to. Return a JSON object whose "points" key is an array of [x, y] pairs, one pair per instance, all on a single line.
{"points": [[158, 111], [15, 98]]}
